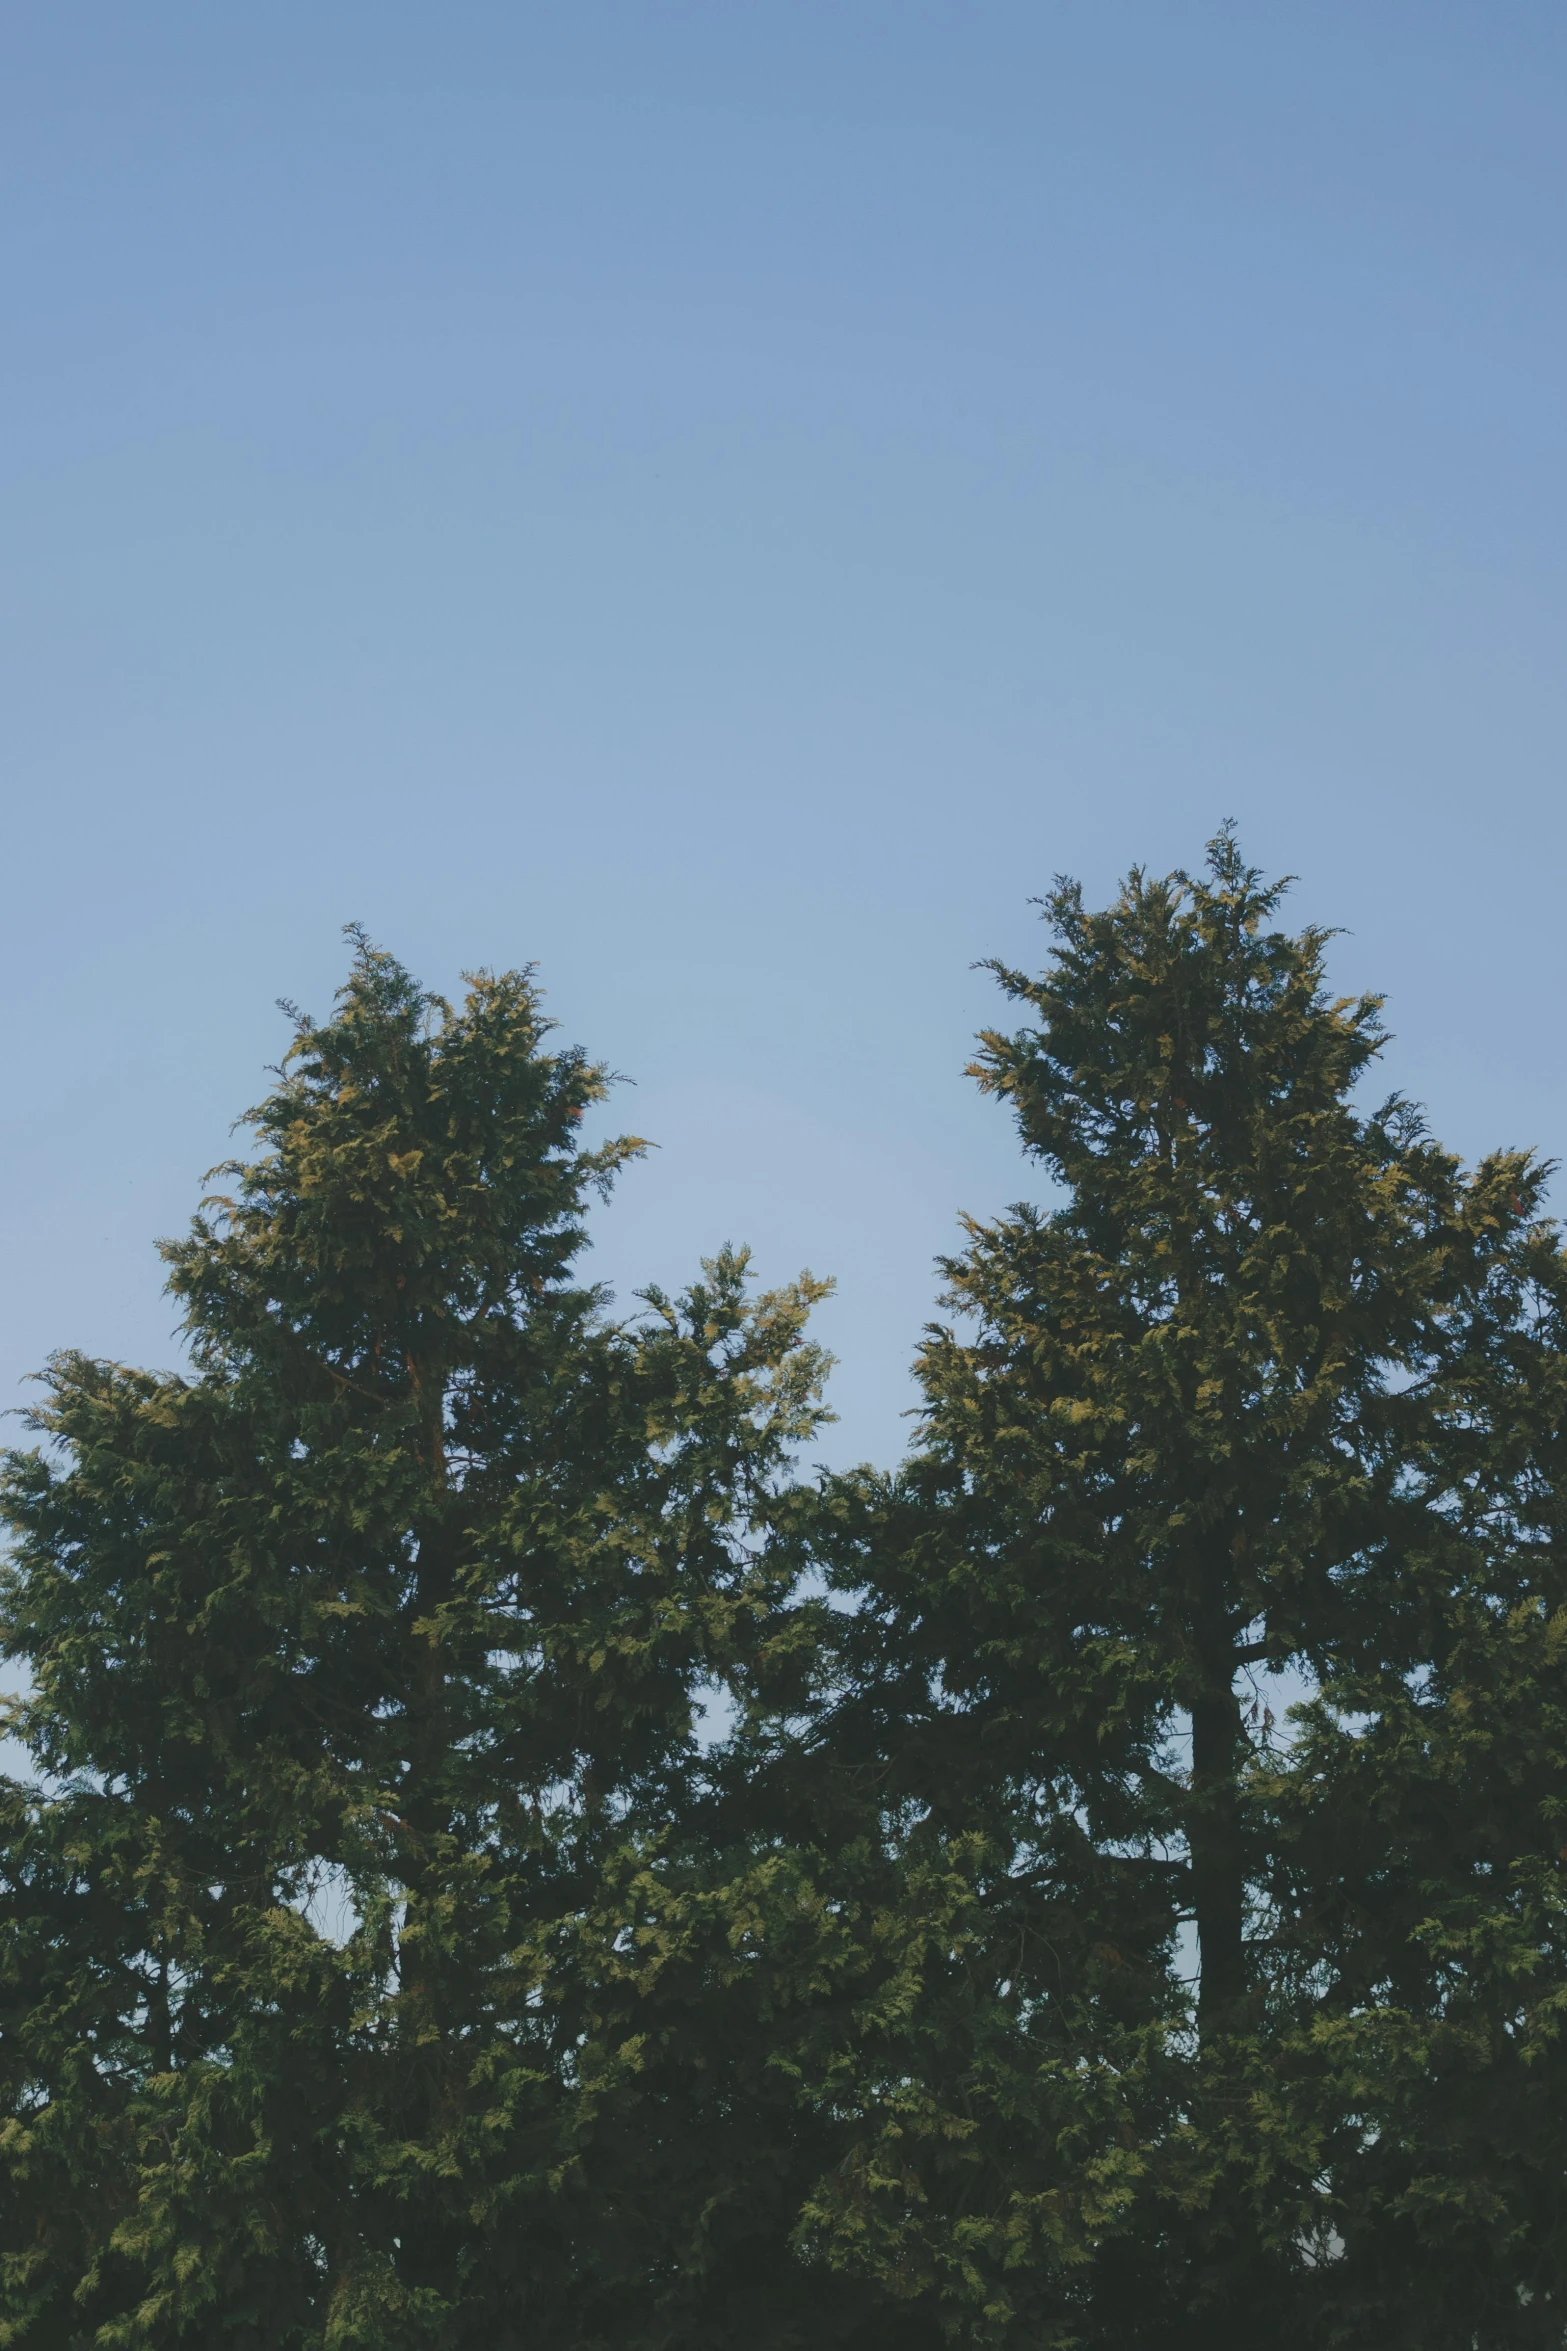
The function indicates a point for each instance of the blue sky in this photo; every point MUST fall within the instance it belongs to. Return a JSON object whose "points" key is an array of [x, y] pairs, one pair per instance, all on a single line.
{"points": [[727, 499]]}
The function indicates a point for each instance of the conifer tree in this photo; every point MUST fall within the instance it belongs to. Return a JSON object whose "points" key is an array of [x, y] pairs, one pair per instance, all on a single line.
{"points": [[385, 1959], [1251, 1402], [364, 1981]]}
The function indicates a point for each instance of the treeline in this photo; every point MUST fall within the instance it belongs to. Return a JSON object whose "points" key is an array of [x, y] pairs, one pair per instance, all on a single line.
{"points": [[513, 1859]]}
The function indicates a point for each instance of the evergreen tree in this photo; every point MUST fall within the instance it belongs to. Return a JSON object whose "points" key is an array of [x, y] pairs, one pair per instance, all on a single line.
{"points": [[365, 1979], [388, 1959], [1260, 1395]]}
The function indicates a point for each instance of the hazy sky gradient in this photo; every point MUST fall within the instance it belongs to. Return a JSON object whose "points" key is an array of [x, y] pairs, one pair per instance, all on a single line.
{"points": [[727, 499]]}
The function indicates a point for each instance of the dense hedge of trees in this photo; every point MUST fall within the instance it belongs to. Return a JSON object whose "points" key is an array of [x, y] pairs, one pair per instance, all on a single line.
{"points": [[511, 1859]]}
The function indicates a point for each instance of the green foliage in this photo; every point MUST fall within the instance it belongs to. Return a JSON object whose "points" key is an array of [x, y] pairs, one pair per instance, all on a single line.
{"points": [[1117, 1897], [1269, 1395], [341, 1952]]}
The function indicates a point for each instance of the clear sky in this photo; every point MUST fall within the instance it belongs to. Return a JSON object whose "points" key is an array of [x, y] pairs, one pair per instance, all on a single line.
{"points": [[726, 498]]}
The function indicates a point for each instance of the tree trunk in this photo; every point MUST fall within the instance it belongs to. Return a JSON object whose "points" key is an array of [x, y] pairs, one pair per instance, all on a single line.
{"points": [[1218, 1864]]}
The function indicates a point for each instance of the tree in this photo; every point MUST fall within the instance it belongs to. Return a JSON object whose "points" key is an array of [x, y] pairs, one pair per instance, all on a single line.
{"points": [[365, 1975], [389, 1956], [1246, 1402]]}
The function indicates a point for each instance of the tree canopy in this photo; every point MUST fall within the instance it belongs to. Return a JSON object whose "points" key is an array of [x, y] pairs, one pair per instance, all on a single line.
{"points": [[513, 1855]]}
